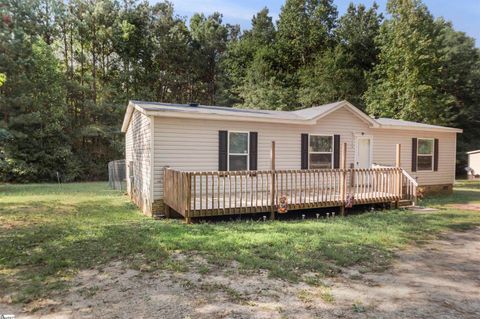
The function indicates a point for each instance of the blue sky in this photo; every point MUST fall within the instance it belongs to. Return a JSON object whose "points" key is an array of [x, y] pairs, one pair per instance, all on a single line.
{"points": [[464, 14]]}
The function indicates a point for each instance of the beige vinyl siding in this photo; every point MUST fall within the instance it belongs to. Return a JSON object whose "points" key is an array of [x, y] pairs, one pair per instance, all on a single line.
{"points": [[474, 162], [137, 152], [189, 144], [384, 153]]}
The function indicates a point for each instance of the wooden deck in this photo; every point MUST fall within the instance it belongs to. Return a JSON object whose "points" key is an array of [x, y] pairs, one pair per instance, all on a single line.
{"points": [[216, 206], [198, 194]]}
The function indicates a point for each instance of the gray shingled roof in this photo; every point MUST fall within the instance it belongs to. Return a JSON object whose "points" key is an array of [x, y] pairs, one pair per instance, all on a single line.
{"points": [[304, 114], [307, 114], [393, 122]]}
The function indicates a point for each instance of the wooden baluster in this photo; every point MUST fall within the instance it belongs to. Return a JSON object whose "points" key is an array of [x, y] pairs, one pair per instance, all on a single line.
{"points": [[301, 189], [230, 193], [241, 191], [224, 206], [305, 194], [212, 192], [251, 193], [206, 192], [329, 183], [323, 187], [235, 192], [194, 192], [217, 174], [296, 187], [247, 193], [256, 192], [305, 189]]}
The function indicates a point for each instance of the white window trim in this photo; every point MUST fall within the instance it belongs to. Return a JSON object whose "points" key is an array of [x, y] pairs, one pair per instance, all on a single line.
{"points": [[311, 152], [242, 154], [432, 154]]}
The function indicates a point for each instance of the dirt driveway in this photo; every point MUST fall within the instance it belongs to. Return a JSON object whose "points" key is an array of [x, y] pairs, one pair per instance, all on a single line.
{"points": [[439, 280]]}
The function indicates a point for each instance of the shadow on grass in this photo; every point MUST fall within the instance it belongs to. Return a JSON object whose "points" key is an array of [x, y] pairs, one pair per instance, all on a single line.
{"points": [[55, 239], [460, 196], [44, 255]]}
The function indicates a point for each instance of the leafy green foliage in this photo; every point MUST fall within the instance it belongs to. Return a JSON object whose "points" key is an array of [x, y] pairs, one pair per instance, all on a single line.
{"points": [[72, 66], [332, 77], [405, 83], [38, 147]]}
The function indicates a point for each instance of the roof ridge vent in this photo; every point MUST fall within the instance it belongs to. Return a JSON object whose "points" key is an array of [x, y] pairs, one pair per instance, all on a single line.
{"points": [[193, 104]]}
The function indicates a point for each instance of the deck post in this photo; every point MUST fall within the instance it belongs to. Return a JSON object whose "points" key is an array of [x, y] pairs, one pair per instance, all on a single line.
{"points": [[272, 199], [399, 174], [343, 177]]}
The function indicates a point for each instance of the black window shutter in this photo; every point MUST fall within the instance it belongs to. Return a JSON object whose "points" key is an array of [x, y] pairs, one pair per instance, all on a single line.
{"points": [[253, 150], [336, 151], [435, 156], [222, 150], [304, 154], [414, 154]]}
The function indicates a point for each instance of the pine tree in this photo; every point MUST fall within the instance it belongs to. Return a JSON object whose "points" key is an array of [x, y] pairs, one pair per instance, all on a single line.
{"points": [[332, 77], [406, 82], [340, 73], [460, 77], [38, 146], [209, 37], [305, 27], [241, 54]]}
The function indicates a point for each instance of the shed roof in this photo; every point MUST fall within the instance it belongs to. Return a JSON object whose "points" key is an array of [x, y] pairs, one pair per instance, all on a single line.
{"points": [[303, 116], [473, 152]]}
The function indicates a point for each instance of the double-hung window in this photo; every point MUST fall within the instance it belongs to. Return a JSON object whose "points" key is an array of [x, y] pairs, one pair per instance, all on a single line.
{"points": [[238, 151], [425, 149], [320, 151]]}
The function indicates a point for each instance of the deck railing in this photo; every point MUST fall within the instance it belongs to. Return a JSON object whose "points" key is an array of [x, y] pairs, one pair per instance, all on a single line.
{"points": [[409, 187], [195, 194]]}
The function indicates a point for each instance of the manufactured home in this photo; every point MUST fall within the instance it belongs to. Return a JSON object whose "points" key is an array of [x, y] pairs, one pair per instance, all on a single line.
{"points": [[203, 160]]}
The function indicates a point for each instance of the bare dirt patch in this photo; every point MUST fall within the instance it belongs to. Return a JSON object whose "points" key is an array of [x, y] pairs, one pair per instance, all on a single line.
{"points": [[475, 207], [439, 280]]}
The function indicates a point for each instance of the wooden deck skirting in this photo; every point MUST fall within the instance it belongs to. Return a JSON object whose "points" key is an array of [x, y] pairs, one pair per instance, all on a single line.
{"points": [[198, 194]]}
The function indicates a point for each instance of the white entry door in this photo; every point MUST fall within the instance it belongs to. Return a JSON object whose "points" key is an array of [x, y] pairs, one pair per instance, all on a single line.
{"points": [[363, 153]]}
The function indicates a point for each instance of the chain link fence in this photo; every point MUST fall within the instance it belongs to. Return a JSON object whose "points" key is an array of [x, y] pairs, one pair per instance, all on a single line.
{"points": [[117, 174]]}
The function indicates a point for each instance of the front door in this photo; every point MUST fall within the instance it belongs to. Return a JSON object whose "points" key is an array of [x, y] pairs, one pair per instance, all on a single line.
{"points": [[363, 154]]}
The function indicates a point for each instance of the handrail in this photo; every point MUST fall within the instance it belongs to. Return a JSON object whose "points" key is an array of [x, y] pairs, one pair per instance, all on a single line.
{"points": [[409, 177], [409, 189], [202, 193]]}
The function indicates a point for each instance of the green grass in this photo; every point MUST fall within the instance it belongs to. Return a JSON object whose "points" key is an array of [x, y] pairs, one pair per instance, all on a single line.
{"points": [[49, 232]]}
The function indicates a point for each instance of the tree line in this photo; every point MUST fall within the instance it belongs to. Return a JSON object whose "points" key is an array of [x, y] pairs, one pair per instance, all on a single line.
{"points": [[68, 68]]}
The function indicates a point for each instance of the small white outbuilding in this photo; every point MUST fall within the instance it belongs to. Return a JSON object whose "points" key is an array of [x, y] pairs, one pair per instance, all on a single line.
{"points": [[474, 164]]}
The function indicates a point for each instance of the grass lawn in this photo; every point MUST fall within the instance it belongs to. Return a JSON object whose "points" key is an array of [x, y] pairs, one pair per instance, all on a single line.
{"points": [[49, 232]]}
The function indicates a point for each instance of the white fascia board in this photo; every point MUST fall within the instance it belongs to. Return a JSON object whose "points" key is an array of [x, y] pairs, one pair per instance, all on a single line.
{"points": [[128, 114], [418, 128]]}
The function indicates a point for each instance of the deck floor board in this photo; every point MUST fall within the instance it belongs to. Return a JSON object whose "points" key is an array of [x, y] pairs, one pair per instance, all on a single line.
{"points": [[213, 205]]}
